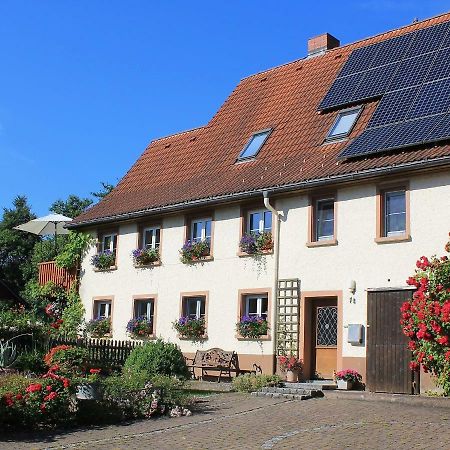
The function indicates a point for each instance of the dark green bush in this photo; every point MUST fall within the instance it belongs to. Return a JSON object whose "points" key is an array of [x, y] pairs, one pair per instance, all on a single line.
{"points": [[158, 358], [31, 361]]}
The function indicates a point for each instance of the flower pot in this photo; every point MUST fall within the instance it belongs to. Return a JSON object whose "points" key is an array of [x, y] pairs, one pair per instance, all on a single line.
{"points": [[344, 385], [88, 391], [292, 376]]}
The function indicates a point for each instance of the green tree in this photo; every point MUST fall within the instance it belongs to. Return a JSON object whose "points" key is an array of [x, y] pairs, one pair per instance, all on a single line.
{"points": [[104, 190], [72, 207], [16, 247]]}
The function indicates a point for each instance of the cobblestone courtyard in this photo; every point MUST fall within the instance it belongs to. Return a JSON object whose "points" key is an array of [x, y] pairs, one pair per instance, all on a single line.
{"points": [[235, 421]]}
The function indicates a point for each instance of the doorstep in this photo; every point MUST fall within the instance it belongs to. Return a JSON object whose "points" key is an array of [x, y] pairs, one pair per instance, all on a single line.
{"points": [[413, 400]]}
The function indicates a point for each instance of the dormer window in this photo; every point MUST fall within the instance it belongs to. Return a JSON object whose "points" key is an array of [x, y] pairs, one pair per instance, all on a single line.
{"points": [[344, 123], [254, 145]]}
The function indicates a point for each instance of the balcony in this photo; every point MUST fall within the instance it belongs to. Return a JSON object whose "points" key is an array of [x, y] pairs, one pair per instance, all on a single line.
{"points": [[49, 271]]}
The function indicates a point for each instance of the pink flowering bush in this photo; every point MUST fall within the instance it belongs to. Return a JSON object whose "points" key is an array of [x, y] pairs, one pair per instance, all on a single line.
{"points": [[348, 375], [426, 318]]}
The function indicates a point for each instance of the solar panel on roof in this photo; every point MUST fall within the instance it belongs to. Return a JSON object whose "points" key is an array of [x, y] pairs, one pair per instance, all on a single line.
{"points": [[374, 82], [359, 60], [441, 131], [433, 98], [368, 141], [412, 132], [393, 107], [428, 39], [341, 91], [440, 67], [412, 71], [392, 50]]}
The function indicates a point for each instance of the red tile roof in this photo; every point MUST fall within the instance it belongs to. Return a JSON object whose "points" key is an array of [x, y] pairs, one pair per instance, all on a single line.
{"points": [[201, 164]]}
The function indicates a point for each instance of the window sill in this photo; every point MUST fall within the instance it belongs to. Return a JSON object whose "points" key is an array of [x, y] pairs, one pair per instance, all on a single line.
{"points": [[393, 239], [263, 253], [200, 338], [146, 266], [200, 260], [109, 269], [143, 338], [265, 337], [324, 243]]}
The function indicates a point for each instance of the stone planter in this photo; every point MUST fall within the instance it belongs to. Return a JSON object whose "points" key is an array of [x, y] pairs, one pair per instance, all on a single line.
{"points": [[345, 385], [292, 376], [88, 391]]}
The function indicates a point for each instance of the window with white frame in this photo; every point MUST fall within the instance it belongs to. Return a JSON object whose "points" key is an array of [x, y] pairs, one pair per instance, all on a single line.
{"points": [[151, 237], [102, 309], [194, 307], [259, 221], [394, 212], [256, 305], [201, 230], [108, 242], [324, 219], [144, 308]]}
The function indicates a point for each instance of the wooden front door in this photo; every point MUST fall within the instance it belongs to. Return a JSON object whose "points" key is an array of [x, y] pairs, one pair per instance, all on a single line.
{"points": [[388, 356], [324, 337]]}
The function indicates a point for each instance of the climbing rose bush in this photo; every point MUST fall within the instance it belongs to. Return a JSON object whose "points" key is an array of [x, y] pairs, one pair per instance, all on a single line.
{"points": [[426, 318]]}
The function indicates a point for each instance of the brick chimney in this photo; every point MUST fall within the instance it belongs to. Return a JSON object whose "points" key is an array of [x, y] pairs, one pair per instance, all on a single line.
{"points": [[320, 44]]}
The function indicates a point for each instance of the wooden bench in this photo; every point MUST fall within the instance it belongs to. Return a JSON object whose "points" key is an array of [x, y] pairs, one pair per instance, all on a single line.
{"points": [[217, 360]]}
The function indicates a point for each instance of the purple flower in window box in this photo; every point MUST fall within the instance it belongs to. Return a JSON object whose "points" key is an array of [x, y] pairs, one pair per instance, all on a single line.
{"points": [[145, 256], [194, 251], [252, 326], [256, 243], [103, 260], [100, 327], [140, 327], [190, 328]]}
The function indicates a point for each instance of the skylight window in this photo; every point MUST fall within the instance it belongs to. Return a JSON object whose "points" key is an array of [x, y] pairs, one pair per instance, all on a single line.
{"points": [[254, 145], [343, 124]]}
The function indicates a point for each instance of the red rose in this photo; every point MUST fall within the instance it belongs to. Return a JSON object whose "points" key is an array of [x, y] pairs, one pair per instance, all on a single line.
{"points": [[42, 407], [34, 387], [443, 340], [66, 382], [95, 371]]}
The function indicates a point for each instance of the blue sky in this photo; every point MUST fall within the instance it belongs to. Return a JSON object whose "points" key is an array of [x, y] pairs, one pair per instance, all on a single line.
{"points": [[86, 84]]}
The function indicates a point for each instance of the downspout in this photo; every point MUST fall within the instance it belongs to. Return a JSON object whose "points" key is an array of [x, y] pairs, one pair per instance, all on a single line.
{"points": [[276, 254]]}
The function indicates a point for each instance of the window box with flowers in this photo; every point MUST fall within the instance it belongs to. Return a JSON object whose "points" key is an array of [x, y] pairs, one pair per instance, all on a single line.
{"points": [[193, 251], [143, 257], [292, 366], [104, 260], [252, 327], [256, 243], [190, 328], [140, 327], [99, 328], [347, 378]]}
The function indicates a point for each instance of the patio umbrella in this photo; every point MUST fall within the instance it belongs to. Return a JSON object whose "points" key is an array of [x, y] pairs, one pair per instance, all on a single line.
{"points": [[42, 226]]}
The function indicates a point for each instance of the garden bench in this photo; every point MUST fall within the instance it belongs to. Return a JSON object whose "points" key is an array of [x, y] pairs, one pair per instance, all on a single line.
{"points": [[217, 360]]}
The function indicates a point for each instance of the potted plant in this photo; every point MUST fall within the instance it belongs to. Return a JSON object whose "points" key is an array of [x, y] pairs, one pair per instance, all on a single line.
{"points": [[145, 256], [292, 366], [104, 260], [190, 328], [252, 327], [256, 243], [347, 378], [88, 386], [140, 327], [194, 251], [99, 328]]}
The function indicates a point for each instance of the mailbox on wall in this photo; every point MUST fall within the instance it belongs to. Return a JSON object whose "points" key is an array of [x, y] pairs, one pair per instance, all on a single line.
{"points": [[355, 333]]}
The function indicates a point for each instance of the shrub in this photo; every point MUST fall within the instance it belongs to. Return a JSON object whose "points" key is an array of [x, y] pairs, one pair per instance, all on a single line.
{"points": [[14, 382], [256, 243], [426, 318], [31, 361], [252, 383], [158, 358], [70, 360], [99, 328], [193, 251], [252, 327], [42, 402], [190, 328], [74, 250], [145, 256]]}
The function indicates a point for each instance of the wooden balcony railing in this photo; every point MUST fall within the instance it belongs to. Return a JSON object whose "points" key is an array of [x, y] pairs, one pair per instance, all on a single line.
{"points": [[49, 271]]}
